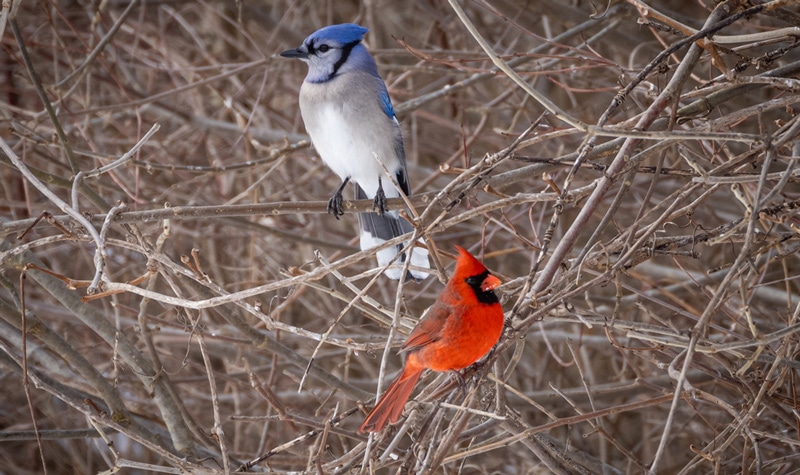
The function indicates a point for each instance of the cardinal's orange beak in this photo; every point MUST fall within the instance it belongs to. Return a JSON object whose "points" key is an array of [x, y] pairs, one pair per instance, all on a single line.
{"points": [[490, 283]]}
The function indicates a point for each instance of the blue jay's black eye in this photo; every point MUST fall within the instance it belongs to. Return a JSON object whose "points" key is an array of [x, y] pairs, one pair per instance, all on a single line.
{"points": [[323, 48]]}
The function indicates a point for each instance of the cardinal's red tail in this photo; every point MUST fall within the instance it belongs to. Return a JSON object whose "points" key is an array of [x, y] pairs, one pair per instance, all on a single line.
{"points": [[390, 407]]}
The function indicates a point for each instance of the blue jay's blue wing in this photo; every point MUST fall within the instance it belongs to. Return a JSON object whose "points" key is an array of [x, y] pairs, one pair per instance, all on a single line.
{"points": [[348, 114], [386, 103]]}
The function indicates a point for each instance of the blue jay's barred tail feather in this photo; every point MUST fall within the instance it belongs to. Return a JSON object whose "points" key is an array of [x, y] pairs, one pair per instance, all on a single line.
{"points": [[377, 229]]}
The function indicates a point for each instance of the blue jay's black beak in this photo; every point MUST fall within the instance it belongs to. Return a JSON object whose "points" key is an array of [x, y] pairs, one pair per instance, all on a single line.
{"points": [[300, 53]]}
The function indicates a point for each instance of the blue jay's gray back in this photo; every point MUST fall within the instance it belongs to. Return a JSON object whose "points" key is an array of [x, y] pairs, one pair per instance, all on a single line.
{"points": [[349, 116]]}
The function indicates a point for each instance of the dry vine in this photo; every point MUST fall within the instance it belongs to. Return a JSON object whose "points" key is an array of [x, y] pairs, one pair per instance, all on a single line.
{"points": [[631, 174]]}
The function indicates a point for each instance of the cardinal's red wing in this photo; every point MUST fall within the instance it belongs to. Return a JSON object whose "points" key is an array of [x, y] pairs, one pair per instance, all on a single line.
{"points": [[429, 329]]}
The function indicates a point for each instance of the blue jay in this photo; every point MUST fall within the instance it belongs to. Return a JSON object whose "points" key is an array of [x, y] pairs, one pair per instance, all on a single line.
{"points": [[351, 121]]}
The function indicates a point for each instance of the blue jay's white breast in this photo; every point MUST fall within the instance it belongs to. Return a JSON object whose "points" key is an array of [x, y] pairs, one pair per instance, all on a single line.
{"points": [[349, 129]]}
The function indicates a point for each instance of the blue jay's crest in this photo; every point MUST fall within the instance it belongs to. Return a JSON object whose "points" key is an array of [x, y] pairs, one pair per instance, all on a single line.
{"points": [[341, 34], [349, 116]]}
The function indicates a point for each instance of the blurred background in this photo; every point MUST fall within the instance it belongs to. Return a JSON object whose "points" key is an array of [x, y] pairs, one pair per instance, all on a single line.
{"points": [[683, 279]]}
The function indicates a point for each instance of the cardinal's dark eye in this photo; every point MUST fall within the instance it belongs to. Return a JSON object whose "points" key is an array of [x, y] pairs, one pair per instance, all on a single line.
{"points": [[323, 48]]}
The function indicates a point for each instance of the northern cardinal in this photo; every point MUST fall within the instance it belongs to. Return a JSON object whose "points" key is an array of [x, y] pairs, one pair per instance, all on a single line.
{"points": [[460, 328]]}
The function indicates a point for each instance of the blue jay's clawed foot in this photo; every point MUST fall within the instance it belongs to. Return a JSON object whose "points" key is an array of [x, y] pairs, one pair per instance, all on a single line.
{"points": [[379, 202], [349, 116], [335, 206]]}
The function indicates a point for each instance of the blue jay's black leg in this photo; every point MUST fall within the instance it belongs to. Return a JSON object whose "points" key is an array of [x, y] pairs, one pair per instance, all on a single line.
{"points": [[335, 203], [379, 203]]}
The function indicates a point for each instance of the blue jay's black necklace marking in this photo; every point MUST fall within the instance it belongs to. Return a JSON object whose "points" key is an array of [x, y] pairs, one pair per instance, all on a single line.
{"points": [[346, 49], [349, 116]]}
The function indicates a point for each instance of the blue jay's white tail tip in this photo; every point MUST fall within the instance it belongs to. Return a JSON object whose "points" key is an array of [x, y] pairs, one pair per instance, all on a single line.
{"points": [[377, 229], [419, 258]]}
